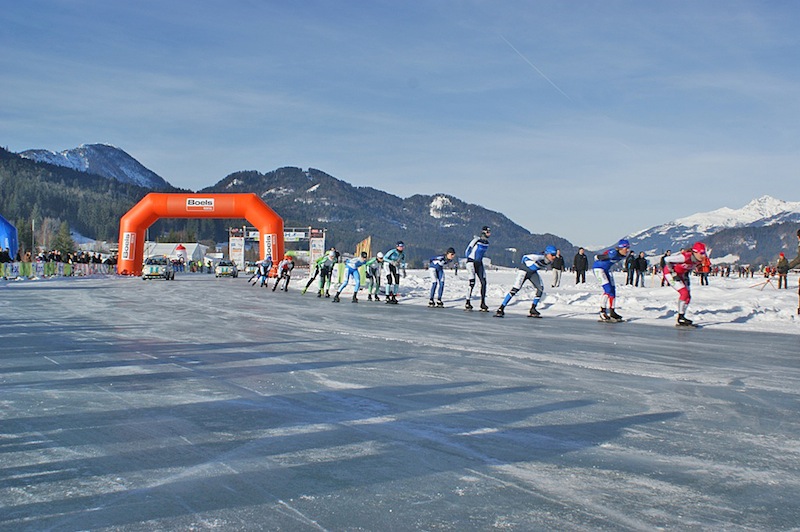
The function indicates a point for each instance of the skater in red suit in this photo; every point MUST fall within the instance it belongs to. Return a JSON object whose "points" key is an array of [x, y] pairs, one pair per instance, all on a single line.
{"points": [[677, 269]]}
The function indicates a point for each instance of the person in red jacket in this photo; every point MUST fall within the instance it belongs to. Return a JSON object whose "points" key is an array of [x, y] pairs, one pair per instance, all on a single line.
{"points": [[679, 267]]}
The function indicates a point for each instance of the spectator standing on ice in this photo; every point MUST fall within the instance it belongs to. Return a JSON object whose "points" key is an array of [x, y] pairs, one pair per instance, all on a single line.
{"points": [[436, 273], [641, 266], [558, 269], [704, 268], [351, 270], [580, 264], [679, 267], [529, 271], [629, 268], [476, 249], [783, 270], [392, 260], [601, 267]]}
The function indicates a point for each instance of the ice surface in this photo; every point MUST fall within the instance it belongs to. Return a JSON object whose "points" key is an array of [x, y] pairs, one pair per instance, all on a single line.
{"points": [[205, 403]]}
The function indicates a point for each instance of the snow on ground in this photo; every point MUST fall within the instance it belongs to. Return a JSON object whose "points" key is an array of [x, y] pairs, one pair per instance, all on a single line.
{"points": [[727, 302]]}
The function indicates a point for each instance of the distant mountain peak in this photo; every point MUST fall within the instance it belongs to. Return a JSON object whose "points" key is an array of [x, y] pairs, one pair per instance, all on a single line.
{"points": [[760, 212], [442, 207], [765, 209], [100, 159]]}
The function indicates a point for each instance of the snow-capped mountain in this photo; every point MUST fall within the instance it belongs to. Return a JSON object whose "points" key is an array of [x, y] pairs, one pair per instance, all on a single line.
{"points": [[764, 211], [103, 160]]}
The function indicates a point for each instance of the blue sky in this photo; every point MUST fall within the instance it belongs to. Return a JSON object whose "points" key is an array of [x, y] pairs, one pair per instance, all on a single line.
{"points": [[589, 120]]}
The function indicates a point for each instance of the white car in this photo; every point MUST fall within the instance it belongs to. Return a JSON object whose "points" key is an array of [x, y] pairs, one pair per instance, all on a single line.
{"points": [[226, 268], [158, 268]]}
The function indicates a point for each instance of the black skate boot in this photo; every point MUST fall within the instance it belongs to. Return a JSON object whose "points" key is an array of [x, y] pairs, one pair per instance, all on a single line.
{"points": [[484, 307], [533, 313], [377, 298], [439, 303], [336, 298], [468, 306], [614, 316], [369, 297], [431, 303], [500, 312], [355, 298], [683, 321], [603, 315]]}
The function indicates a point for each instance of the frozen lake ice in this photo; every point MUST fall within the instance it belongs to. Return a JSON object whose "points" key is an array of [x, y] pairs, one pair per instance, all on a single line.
{"points": [[204, 403]]}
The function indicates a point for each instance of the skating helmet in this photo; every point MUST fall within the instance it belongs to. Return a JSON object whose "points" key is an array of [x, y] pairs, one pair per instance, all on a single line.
{"points": [[450, 250], [623, 244], [332, 254], [364, 255], [485, 230], [550, 250], [379, 256], [287, 257], [400, 244], [699, 248]]}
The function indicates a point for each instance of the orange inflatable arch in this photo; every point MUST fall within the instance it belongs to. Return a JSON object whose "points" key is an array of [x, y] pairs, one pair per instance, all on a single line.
{"points": [[155, 205]]}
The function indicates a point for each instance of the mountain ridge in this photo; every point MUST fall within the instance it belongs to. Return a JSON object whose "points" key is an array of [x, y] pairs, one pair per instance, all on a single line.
{"points": [[101, 159], [732, 230], [428, 223]]}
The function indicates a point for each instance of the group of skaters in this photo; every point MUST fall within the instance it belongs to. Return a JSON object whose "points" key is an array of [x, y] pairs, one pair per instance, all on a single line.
{"points": [[283, 273], [676, 269], [383, 265]]}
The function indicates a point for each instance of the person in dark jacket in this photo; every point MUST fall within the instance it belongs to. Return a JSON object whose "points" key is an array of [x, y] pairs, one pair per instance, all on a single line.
{"points": [[580, 264], [629, 268], [640, 265], [558, 269]]}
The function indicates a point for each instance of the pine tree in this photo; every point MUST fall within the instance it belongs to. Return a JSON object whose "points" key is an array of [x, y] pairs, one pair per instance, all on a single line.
{"points": [[63, 241]]}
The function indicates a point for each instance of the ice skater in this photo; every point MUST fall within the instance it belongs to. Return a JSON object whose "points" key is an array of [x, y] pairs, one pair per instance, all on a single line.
{"points": [[323, 268], [529, 271], [351, 270], [373, 270], [476, 249], [601, 267], [285, 268], [679, 267], [392, 261], [436, 273], [264, 267]]}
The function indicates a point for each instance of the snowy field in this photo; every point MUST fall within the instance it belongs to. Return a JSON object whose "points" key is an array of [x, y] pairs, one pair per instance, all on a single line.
{"points": [[726, 303], [207, 404]]}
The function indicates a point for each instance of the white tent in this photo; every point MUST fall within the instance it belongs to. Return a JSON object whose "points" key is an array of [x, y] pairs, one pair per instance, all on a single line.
{"points": [[194, 252]]}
